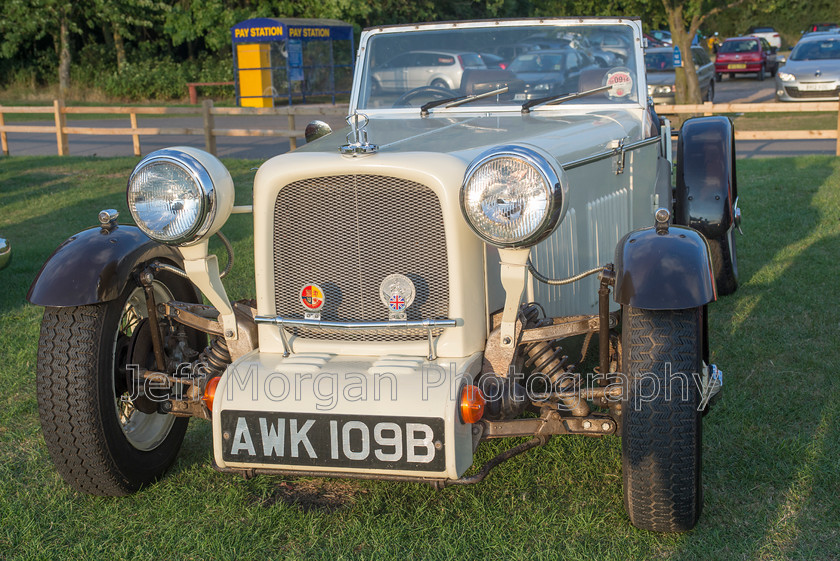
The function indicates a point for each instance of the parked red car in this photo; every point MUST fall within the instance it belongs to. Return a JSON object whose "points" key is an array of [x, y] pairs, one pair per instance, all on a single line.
{"points": [[746, 55]]}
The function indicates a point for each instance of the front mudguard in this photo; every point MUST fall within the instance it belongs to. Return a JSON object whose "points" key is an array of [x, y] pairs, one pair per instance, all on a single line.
{"points": [[707, 188], [666, 269], [94, 265]]}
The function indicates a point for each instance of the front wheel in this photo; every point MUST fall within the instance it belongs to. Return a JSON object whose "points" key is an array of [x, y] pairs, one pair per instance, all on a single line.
{"points": [[103, 437], [661, 432]]}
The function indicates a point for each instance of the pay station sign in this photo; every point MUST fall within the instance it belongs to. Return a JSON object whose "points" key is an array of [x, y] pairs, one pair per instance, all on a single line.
{"points": [[677, 57]]}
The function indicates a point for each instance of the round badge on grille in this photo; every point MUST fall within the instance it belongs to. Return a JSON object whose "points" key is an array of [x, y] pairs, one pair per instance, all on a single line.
{"points": [[397, 292], [312, 297]]}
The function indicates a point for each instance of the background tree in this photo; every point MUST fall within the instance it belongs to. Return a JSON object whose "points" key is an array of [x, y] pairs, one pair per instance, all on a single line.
{"points": [[120, 18], [25, 23], [693, 13]]}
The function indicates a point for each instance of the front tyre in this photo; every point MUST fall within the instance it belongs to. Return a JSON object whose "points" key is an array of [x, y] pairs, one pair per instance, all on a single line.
{"points": [[99, 439], [661, 433]]}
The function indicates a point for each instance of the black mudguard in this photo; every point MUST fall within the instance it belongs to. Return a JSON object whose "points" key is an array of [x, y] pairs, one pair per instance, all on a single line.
{"points": [[666, 270], [94, 265], [706, 182]]}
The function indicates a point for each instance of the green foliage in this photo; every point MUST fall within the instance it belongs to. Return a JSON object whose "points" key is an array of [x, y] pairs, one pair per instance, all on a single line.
{"points": [[163, 79]]}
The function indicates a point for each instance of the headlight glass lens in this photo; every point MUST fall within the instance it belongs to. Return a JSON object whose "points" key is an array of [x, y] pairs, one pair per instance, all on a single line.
{"points": [[506, 200], [786, 77], [167, 202]]}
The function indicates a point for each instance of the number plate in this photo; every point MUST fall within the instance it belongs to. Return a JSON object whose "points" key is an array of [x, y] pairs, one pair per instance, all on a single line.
{"points": [[818, 87], [339, 441], [737, 66]]}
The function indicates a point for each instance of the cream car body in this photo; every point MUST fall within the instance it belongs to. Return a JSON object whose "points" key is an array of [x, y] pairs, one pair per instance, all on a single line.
{"points": [[602, 206]]}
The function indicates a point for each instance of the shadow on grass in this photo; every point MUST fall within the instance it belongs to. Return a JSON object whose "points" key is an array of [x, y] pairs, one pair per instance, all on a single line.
{"points": [[772, 443]]}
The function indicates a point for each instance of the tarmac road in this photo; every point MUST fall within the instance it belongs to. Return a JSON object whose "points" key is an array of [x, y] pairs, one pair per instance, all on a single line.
{"points": [[740, 89]]}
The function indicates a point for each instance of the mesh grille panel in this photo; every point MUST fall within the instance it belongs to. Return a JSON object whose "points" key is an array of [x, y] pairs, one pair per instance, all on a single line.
{"points": [[346, 234]]}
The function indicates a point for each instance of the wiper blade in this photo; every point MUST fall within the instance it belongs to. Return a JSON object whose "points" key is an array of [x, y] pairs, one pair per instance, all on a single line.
{"points": [[561, 98], [460, 100]]}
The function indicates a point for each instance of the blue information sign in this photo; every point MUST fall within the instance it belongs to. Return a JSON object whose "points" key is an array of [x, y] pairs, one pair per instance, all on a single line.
{"points": [[677, 57]]}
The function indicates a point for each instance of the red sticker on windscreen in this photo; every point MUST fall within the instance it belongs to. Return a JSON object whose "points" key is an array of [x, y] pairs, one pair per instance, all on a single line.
{"points": [[621, 81]]}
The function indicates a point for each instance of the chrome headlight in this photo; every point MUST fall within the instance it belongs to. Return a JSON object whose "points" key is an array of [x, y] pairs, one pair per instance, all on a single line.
{"points": [[785, 76], [180, 195], [513, 197]]}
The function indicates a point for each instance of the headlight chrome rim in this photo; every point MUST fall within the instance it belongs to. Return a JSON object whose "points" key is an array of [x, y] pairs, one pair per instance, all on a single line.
{"points": [[556, 194], [200, 177]]}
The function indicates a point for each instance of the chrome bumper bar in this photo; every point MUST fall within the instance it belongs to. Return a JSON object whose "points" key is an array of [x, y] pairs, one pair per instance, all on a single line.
{"points": [[427, 324]]}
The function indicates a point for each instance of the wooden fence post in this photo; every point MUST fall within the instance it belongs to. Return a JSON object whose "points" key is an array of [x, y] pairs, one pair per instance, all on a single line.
{"points": [[135, 138], [209, 125], [60, 123], [292, 139], [4, 141], [837, 149]]}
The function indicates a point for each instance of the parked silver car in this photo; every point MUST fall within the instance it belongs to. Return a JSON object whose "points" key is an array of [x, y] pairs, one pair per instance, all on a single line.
{"points": [[812, 71], [659, 66], [415, 69]]}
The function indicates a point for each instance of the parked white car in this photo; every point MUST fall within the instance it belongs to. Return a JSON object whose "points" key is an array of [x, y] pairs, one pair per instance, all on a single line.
{"points": [[770, 34], [422, 278]]}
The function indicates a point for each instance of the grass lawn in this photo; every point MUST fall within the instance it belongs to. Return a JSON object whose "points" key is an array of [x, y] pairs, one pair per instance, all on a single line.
{"points": [[785, 121], [771, 448]]}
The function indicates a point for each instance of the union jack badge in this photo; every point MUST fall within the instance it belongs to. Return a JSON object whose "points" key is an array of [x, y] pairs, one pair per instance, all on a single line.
{"points": [[312, 298], [397, 292]]}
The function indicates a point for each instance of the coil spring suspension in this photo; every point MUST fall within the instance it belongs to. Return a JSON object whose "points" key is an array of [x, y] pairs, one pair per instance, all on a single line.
{"points": [[216, 357], [549, 359]]}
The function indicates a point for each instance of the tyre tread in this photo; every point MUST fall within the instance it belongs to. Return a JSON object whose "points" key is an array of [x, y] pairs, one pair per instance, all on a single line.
{"points": [[661, 443], [68, 402]]}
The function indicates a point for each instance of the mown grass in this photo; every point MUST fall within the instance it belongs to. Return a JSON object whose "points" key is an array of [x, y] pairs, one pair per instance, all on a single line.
{"points": [[809, 120], [771, 450]]}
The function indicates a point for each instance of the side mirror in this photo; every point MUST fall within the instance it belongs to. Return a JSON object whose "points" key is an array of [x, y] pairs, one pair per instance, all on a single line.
{"points": [[315, 130]]}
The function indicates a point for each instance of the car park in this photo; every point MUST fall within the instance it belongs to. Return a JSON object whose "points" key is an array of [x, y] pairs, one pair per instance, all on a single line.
{"points": [[435, 275], [661, 76], [812, 71], [544, 73], [425, 68], [746, 55], [768, 33]]}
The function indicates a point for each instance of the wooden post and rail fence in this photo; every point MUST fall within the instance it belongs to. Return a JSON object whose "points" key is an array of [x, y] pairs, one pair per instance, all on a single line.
{"points": [[208, 129], [211, 132]]}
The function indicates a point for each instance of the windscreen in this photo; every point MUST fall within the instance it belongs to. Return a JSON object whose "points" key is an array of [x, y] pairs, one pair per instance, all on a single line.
{"points": [[746, 46], [411, 68], [826, 49]]}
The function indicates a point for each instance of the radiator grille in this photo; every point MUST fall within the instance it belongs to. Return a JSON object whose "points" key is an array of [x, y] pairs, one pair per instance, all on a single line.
{"points": [[346, 234], [806, 94]]}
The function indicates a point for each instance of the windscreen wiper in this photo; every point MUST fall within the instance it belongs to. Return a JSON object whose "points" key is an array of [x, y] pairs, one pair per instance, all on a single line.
{"points": [[460, 100], [560, 98]]}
